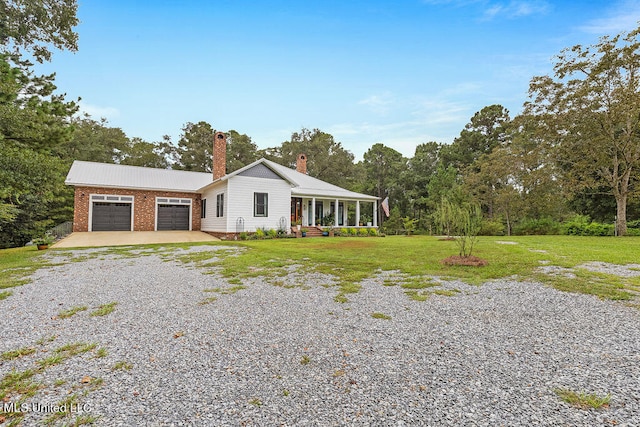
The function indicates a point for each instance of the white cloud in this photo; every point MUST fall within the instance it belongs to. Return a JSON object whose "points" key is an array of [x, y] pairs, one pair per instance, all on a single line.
{"points": [[98, 112], [509, 9], [378, 103], [623, 16], [515, 9]]}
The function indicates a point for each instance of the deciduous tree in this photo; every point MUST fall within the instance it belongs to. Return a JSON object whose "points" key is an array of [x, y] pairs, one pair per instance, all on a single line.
{"points": [[327, 159], [590, 109], [146, 154], [93, 141]]}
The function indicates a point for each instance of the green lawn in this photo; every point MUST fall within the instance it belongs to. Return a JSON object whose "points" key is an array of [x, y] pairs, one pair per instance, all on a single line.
{"points": [[15, 267], [352, 259]]}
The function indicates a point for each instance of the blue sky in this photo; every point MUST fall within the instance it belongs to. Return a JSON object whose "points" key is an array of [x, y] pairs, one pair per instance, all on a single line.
{"points": [[398, 72]]}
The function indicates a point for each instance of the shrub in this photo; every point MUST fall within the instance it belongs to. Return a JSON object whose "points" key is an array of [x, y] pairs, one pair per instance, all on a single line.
{"points": [[343, 232], [353, 231], [491, 228], [244, 235], [598, 229], [409, 225], [633, 224], [633, 232], [362, 232], [538, 227], [580, 225], [576, 225], [259, 233], [373, 232], [273, 233]]}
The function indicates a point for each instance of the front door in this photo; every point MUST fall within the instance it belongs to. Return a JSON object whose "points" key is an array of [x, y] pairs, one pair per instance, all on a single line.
{"points": [[296, 210]]}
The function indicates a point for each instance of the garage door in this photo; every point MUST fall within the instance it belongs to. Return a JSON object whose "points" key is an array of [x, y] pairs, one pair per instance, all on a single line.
{"points": [[111, 216], [173, 217]]}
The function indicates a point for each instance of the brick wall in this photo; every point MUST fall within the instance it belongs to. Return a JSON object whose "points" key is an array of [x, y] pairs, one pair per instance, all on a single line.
{"points": [[144, 206]]}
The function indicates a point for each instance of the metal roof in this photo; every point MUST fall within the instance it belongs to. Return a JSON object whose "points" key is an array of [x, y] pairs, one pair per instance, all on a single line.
{"points": [[92, 174], [305, 185]]}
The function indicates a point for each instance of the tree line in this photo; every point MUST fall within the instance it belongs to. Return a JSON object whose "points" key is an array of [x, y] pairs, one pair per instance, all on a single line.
{"points": [[573, 150]]}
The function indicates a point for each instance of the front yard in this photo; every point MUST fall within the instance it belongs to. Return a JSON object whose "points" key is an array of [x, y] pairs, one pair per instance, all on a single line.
{"points": [[323, 331]]}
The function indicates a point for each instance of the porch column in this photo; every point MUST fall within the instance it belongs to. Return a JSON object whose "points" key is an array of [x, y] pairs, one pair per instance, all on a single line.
{"points": [[335, 213], [345, 214], [375, 213], [357, 213], [313, 212]]}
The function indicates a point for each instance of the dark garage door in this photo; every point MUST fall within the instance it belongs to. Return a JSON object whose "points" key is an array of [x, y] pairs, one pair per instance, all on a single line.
{"points": [[111, 217], [173, 217]]}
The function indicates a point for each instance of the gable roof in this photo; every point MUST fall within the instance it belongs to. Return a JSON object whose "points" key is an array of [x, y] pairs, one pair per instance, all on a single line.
{"points": [[92, 174], [305, 185], [301, 184]]}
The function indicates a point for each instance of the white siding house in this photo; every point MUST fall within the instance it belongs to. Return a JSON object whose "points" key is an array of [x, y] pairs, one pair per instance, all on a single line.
{"points": [[290, 196], [263, 195], [213, 216], [254, 197]]}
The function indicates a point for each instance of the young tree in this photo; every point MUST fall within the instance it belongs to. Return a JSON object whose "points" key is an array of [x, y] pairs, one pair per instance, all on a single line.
{"points": [[464, 221], [590, 110]]}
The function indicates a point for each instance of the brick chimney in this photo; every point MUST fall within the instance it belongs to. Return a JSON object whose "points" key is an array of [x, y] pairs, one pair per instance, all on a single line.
{"points": [[301, 163], [219, 155]]}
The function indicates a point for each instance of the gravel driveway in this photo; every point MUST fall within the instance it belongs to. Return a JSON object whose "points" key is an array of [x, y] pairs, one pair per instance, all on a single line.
{"points": [[268, 355]]}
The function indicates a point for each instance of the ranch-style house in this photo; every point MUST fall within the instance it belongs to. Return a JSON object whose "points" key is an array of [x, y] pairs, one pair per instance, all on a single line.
{"points": [[263, 194]]}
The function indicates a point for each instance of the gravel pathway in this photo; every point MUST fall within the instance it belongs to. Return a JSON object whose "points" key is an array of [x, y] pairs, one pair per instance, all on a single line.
{"points": [[269, 355]]}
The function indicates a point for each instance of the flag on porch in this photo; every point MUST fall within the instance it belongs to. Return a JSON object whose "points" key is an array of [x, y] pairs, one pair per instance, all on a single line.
{"points": [[385, 206]]}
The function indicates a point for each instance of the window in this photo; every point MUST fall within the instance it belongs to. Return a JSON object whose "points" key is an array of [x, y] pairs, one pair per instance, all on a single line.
{"points": [[260, 204], [220, 205], [203, 210]]}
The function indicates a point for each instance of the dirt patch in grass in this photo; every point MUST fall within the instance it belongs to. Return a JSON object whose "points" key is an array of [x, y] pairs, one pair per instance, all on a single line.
{"points": [[471, 261]]}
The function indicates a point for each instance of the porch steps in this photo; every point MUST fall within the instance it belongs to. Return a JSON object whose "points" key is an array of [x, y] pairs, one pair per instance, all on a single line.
{"points": [[311, 231], [314, 232]]}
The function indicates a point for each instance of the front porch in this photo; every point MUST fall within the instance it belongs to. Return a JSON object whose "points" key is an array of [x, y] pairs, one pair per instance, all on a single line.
{"points": [[325, 212]]}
